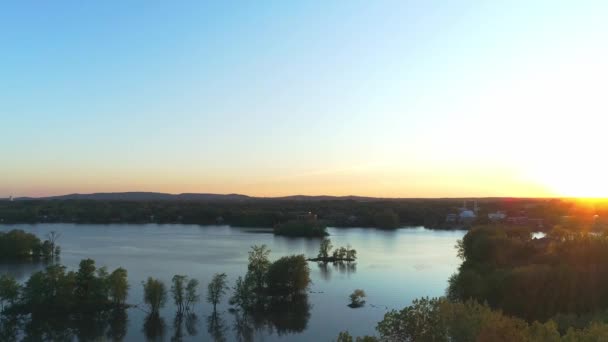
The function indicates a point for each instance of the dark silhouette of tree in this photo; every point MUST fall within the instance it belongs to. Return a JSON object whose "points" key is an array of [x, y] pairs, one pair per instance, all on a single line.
{"points": [[178, 291], [325, 248], [155, 294], [258, 265], [217, 289]]}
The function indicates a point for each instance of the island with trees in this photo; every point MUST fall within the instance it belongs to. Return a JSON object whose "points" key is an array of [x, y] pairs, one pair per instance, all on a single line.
{"points": [[301, 228], [339, 255]]}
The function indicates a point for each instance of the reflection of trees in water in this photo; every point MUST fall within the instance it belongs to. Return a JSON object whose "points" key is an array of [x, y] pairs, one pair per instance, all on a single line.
{"points": [[342, 267], [285, 315], [154, 327], [325, 271], [216, 327], [189, 321], [346, 267], [107, 325], [118, 325]]}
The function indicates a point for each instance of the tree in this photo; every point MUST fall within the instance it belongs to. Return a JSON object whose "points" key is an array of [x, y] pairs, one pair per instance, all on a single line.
{"points": [[192, 296], [356, 298], [118, 286], [350, 252], [288, 275], [258, 265], [242, 293], [325, 248], [85, 279], [155, 294], [216, 289], [9, 290], [178, 291], [52, 237]]}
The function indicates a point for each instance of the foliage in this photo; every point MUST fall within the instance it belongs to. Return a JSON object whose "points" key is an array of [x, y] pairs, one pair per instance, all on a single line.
{"points": [[288, 275], [192, 296], [258, 265], [344, 336], [178, 291], [440, 320], [88, 289], [9, 291], [217, 289], [19, 244], [155, 294], [356, 298], [325, 248], [118, 286], [533, 278], [243, 295]]}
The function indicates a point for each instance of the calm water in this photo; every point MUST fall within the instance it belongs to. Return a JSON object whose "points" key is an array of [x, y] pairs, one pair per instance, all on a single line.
{"points": [[394, 267]]}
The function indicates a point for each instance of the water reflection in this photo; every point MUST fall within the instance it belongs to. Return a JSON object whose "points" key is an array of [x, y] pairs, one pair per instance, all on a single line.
{"points": [[347, 268], [324, 270], [154, 327], [106, 325], [189, 321], [216, 327], [280, 315]]}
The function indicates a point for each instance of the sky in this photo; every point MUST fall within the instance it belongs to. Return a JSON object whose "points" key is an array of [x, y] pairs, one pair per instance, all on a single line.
{"points": [[270, 98]]}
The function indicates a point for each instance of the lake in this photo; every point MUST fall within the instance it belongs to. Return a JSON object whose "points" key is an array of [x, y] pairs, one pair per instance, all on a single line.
{"points": [[393, 267]]}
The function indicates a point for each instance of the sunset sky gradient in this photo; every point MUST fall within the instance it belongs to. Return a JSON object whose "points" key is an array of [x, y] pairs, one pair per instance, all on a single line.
{"points": [[269, 98]]}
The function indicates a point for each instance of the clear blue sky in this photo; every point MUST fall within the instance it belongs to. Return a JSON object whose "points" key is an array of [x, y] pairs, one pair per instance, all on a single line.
{"points": [[385, 98]]}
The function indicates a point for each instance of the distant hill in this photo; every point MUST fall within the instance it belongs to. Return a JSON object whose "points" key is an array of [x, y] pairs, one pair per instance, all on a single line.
{"points": [[141, 196], [159, 196]]}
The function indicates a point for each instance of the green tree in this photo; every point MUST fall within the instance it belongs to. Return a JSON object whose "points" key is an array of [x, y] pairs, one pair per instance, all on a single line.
{"points": [[178, 291], [216, 289], [288, 275], [155, 294], [350, 253], [325, 248], [192, 296], [242, 295], [118, 286], [258, 265], [9, 291], [356, 298], [85, 280]]}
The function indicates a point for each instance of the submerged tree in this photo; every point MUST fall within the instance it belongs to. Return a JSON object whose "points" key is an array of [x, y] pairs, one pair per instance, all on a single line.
{"points": [[258, 265], [216, 289], [242, 295], [118, 286], [350, 252], [192, 296], [178, 291], [288, 275], [356, 298], [325, 248], [155, 294], [52, 237]]}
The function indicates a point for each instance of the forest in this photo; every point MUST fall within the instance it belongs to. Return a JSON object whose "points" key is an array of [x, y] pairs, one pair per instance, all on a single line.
{"points": [[268, 213], [513, 285]]}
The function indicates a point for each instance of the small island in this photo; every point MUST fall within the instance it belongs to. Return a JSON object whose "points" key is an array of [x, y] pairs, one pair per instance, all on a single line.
{"points": [[342, 254], [303, 225]]}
